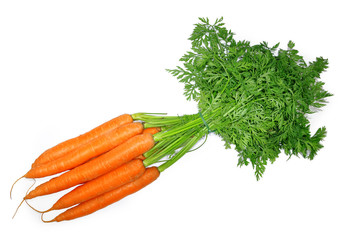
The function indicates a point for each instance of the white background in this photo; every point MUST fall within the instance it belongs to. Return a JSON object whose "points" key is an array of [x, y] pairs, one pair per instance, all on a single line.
{"points": [[68, 66]]}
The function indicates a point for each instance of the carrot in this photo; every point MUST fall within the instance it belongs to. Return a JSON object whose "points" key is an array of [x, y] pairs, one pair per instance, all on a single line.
{"points": [[104, 200], [105, 183], [87, 151], [101, 165], [152, 130], [73, 143], [141, 157]]}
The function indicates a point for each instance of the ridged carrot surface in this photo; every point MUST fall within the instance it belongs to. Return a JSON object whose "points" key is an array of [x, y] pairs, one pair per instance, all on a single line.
{"points": [[88, 207], [152, 130], [87, 151], [73, 143], [105, 183], [94, 168]]}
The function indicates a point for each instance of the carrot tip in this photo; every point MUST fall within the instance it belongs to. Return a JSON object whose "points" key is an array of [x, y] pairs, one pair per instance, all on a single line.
{"points": [[26, 194]]}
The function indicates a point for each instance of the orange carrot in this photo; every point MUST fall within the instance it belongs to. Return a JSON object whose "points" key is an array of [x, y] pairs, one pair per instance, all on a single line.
{"points": [[87, 151], [101, 165], [90, 206], [105, 183], [152, 130], [141, 157], [72, 144]]}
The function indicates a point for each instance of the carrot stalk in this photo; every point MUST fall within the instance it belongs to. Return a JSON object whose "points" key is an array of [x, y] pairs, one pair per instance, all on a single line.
{"points": [[73, 143], [94, 168], [104, 200], [87, 151]]}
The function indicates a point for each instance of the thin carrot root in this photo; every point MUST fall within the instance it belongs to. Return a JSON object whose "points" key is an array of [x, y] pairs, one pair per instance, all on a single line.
{"points": [[17, 209], [23, 198], [14, 184], [45, 221], [35, 208]]}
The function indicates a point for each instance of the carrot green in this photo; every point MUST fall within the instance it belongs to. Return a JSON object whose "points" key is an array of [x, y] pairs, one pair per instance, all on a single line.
{"points": [[255, 97]]}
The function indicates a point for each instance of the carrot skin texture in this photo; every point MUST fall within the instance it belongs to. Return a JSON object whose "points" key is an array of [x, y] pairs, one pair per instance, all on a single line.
{"points": [[152, 130], [87, 151], [124, 174], [94, 168], [71, 144], [95, 204], [141, 157]]}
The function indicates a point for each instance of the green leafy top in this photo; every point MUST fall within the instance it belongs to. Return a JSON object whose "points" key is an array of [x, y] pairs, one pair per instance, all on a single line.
{"points": [[257, 96]]}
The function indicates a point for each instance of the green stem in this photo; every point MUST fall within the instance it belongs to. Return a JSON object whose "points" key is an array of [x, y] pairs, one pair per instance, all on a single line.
{"points": [[178, 135], [192, 124], [159, 147], [148, 117], [168, 148], [181, 153]]}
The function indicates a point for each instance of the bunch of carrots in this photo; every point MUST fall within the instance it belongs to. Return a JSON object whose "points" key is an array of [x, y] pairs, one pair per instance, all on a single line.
{"points": [[255, 97], [106, 163]]}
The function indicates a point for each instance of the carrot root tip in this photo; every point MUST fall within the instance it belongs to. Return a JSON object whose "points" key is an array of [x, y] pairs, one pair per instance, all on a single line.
{"points": [[17, 209], [35, 208], [13, 186], [45, 221], [23, 198]]}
